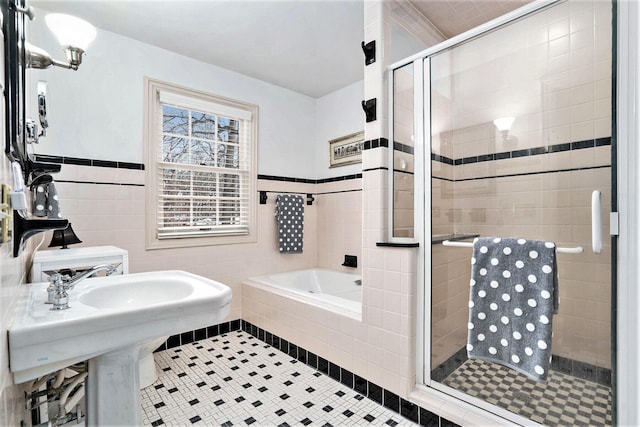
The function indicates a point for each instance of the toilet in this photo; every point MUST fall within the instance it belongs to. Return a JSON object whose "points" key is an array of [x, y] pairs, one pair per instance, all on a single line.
{"points": [[47, 262]]}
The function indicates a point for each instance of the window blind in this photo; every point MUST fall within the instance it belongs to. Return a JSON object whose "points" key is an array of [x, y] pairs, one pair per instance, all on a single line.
{"points": [[203, 168]]}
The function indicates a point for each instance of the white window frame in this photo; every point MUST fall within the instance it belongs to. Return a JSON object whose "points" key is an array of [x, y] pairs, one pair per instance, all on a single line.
{"points": [[153, 134]]}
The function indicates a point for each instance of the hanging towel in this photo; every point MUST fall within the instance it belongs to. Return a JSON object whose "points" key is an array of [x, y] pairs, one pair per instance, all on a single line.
{"points": [[290, 222], [513, 296], [40, 201], [53, 207], [45, 201]]}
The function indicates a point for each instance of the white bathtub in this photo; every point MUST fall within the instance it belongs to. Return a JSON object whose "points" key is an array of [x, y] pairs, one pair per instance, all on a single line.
{"points": [[331, 290]]}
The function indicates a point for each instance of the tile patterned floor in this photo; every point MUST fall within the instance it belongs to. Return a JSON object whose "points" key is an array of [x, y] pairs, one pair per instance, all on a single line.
{"points": [[235, 379], [563, 401]]}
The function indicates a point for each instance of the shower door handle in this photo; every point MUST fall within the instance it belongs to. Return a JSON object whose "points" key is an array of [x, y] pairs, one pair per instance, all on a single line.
{"points": [[596, 221]]}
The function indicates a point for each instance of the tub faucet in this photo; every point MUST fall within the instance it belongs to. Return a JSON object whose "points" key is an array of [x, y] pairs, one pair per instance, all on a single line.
{"points": [[59, 285]]}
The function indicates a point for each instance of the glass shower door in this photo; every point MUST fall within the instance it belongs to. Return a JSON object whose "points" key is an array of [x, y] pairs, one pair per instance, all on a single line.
{"points": [[520, 128]]}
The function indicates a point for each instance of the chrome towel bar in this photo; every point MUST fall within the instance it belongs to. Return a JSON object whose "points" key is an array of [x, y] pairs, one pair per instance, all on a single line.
{"points": [[576, 250]]}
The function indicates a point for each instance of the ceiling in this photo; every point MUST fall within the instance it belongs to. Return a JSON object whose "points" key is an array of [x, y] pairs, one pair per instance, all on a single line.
{"points": [[308, 46], [456, 17]]}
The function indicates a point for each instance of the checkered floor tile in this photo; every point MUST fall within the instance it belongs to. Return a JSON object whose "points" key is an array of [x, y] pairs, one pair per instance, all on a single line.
{"points": [[236, 380], [563, 401]]}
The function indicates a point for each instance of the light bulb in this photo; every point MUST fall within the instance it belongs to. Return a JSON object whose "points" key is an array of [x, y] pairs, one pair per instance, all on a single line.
{"points": [[71, 31], [504, 123]]}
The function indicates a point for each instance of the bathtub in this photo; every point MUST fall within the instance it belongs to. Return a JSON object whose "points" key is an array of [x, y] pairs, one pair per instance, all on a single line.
{"points": [[332, 290]]}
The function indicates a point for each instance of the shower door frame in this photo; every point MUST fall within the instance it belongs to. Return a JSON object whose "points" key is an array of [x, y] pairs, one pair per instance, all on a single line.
{"points": [[626, 237]]}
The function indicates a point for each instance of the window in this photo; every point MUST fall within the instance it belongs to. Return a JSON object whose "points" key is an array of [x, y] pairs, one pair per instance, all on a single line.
{"points": [[201, 173]]}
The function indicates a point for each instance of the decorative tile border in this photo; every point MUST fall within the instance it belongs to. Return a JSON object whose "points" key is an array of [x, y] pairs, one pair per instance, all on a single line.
{"points": [[375, 143], [370, 144], [510, 175], [398, 146], [557, 148], [366, 388], [88, 162], [140, 166], [309, 181]]}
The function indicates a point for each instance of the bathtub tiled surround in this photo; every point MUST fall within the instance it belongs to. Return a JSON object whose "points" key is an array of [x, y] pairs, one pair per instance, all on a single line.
{"points": [[378, 348], [339, 223]]}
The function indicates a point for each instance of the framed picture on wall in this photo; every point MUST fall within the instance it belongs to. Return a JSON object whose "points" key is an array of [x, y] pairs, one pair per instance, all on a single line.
{"points": [[346, 150]]}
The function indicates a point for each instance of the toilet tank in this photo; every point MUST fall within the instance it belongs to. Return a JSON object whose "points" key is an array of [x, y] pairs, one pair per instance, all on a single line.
{"points": [[79, 259]]}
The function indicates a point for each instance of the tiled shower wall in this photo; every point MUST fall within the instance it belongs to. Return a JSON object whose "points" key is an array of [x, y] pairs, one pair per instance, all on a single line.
{"points": [[536, 183]]}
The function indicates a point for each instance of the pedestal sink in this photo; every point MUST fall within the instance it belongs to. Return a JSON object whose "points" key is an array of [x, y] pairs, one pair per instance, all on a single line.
{"points": [[108, 319]]}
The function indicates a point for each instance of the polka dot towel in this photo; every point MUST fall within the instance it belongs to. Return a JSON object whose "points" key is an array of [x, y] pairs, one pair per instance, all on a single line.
{"points": [[45, 201], [290, 222], [513, 296]]}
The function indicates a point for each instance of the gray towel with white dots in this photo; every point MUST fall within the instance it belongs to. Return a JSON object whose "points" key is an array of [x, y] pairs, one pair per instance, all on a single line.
{"points": [[40, 201], [290, 222], [513, 296], [45, 201]]}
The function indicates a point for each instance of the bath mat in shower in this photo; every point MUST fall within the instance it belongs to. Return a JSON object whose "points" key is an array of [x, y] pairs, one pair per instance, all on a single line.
{"points": [[512, 299], [290, 222]]}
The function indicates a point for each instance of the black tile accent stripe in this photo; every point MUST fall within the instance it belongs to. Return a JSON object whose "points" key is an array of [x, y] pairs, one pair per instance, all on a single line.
{"points": [[441, 159], [528, 173], [71, 181], [309, 181], [390, 400], [398, 245], [379, 168], [577, 145], [336, 192], [140, 166], [521, 174], [403, 171], [88, 162], [375, 143], [399, 146]]}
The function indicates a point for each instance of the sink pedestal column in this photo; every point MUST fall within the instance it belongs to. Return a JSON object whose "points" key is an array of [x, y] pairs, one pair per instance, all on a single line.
{"points": [[113, 389]]}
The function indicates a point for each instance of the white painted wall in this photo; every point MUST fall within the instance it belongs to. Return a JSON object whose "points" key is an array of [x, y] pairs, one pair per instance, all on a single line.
{"points": [[337, 114], [96, 112]]}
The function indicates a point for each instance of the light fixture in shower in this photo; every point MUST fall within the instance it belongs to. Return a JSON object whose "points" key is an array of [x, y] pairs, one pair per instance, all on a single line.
{"points": [[74, 34], [504, 125]]}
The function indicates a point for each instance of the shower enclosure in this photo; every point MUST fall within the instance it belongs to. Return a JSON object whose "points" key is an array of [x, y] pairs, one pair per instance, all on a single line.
{"points": [[516, 123]]}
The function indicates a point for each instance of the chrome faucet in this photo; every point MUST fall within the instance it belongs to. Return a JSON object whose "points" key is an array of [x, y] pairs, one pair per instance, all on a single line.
{"points": [[59, 285]]}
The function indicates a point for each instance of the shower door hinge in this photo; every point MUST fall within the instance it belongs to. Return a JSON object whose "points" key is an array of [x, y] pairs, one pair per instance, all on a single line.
{"points": [[613, 223]]}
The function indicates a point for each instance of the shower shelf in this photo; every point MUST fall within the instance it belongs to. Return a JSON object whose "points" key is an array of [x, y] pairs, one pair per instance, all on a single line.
{"points": [[575, 250]]}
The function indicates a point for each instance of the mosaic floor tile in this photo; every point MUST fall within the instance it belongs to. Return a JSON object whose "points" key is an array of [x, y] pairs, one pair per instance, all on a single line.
{"points": [[230, 381], [563, 400]]}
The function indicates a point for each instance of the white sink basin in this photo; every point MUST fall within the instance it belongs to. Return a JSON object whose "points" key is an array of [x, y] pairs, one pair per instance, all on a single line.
{"points": [[144, 293], [108, 313]]}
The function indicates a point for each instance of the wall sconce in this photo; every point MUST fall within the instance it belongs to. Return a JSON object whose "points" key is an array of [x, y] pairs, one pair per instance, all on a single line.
{"points": [[74, 34], [64, 238], [504, 125]]}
